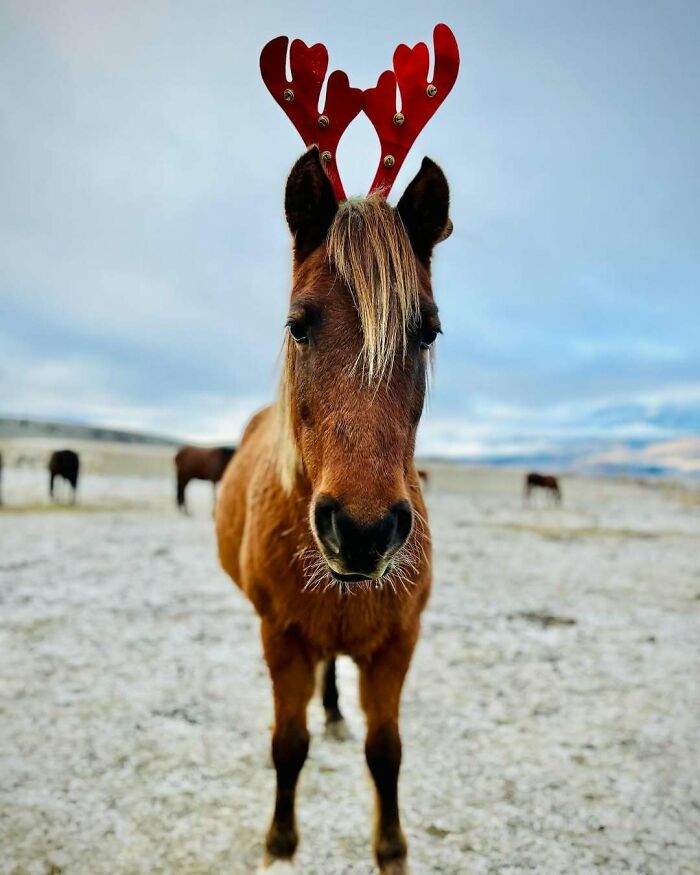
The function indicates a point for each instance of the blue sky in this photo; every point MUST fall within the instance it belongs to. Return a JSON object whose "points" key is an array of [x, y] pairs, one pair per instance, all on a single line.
{"points": [[144, 259]]}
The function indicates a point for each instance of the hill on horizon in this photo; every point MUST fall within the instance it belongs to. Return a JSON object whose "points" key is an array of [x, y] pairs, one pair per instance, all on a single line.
{"points": [[669, 457], [16, 428]]}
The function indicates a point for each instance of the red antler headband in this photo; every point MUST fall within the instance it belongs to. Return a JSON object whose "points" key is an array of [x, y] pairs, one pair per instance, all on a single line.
{"points": [[397, 131]]}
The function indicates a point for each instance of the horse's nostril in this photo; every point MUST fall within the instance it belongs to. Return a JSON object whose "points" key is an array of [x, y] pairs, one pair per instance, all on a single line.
{"points": [[404, 522], [361, 546], [326, 524]]}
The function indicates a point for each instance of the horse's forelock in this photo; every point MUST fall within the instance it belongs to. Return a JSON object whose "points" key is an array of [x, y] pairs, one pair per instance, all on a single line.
{"points": [[369, 249]]}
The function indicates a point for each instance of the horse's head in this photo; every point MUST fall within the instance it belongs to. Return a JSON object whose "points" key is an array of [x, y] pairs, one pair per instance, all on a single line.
{"points": [[361, 323]]}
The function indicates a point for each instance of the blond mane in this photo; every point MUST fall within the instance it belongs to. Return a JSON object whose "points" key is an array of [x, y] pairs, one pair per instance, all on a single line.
{"points": [[369, 250]]}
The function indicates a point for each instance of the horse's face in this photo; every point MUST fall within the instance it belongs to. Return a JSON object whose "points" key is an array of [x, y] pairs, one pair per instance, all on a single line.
{"points": [[355, 435], [361, 322]]}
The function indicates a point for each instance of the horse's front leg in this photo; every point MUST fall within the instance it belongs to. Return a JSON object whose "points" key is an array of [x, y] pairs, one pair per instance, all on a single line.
{"points": [[292, 673], [381, 680]]}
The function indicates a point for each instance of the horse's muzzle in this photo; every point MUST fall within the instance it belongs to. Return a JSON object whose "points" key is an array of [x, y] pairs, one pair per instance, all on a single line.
{"points": [[355, 550]]}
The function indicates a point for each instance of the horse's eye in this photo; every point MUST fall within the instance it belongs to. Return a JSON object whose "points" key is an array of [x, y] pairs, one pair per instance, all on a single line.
{"points": [[298, 331], [427, 336]]}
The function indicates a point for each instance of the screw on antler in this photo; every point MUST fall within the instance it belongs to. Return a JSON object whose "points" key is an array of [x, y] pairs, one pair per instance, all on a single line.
{"points": [[299, 98], [420, 99]]}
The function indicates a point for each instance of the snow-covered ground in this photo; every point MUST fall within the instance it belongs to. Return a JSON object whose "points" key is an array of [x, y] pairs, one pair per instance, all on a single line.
{"points": [[551, 719]]}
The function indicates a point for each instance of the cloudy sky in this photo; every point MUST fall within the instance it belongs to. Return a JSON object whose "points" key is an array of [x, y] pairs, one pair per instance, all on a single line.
{"points": [[144, 260]]}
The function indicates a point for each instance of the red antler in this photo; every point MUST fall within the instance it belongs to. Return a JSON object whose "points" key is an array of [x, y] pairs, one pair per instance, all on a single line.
{"points": [[420, 99], [299, 98]]}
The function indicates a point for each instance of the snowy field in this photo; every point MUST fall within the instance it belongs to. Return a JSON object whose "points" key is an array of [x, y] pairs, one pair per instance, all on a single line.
{"points": [[551, 719]]}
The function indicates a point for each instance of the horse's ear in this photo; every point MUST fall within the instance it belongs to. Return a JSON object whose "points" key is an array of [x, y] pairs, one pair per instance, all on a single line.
{"points": [[425, 209], [309, 203]]}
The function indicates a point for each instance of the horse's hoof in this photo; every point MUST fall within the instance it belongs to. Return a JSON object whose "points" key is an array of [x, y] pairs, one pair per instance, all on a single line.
{"points": [[276, 867], [337, 730], [396, 867], [391, 854]]}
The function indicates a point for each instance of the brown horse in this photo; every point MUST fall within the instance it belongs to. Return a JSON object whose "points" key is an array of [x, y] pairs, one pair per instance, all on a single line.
{"points": [[533, 480], [321, 521], [65, 464], [199, 463]]}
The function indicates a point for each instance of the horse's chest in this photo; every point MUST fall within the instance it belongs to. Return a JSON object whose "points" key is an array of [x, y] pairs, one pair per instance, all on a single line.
{"points": [[343, 623]]}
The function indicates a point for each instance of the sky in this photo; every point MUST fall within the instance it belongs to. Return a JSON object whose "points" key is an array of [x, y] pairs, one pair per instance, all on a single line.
{"points": [[145, 262]]}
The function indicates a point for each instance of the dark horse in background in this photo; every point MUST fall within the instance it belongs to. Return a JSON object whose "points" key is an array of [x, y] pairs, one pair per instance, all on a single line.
{"points": [[65, 464], [200, 463], [533, 480]]}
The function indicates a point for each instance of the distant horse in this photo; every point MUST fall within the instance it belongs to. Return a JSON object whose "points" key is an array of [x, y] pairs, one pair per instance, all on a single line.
{"points": [[424, 475], [542, 481], [65, 464], [199, 463], [321, 521]]}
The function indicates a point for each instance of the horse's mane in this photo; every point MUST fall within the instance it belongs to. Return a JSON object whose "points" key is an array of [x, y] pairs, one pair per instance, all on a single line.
{"points": [[369, 251]]}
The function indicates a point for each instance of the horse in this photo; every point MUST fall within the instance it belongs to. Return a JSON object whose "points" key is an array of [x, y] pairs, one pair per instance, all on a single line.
{"points": [[424, 476], [321, 520], [65, 464], [533, 480], [199, 463], [0, 479]]}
